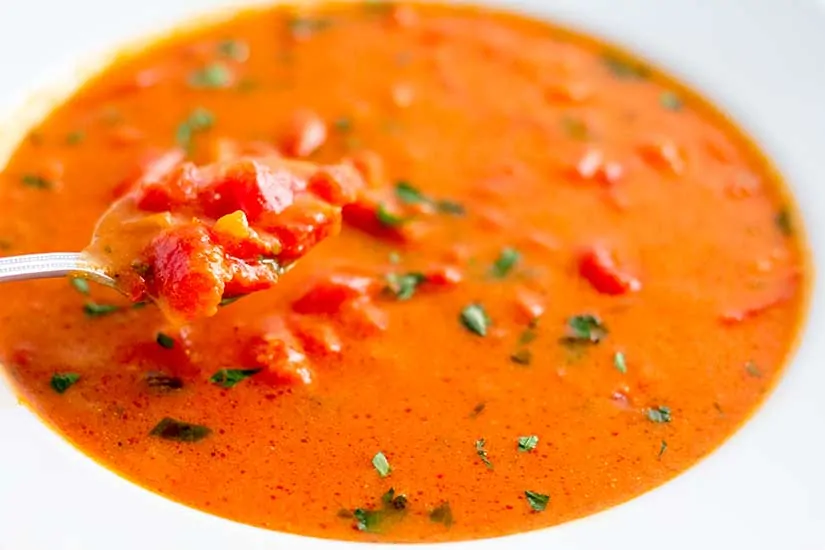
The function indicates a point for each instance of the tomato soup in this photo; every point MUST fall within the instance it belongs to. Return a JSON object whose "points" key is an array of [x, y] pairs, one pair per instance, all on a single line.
{"points": [[566, 280]]}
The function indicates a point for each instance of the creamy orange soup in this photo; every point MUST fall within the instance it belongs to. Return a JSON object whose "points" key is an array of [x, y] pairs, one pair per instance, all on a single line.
{"points": [[567, 279]]}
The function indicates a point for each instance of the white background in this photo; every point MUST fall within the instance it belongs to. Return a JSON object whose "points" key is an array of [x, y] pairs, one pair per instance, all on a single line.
{"points": [[762, 59]]}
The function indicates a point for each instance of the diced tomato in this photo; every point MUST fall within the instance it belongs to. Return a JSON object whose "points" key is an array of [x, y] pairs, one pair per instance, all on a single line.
{"points": [[175, 188], [188, 275], [153, 166], [664, 155], [125, 135], [225, 149], [281, 361], [598, 267], [250, 187], [363, 214], [530, 304], [317, 337], [327, 295], [305, 225], [371, 167], [363, 316], [446, 275], [307, 133], [337, 185]]}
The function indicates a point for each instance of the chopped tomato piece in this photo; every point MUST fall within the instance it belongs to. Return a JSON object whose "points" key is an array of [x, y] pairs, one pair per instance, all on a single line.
{"points": [[327, 295], [282, 362], [530, 304], [598, 267], [337, 185], [363, 316], [371, 167], [318, 337], [307, 134], [446, 275]]}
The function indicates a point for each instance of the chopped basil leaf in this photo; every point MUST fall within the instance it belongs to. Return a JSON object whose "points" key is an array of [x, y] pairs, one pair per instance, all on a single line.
{"points": [[198, 120], [392, 501], [175, 430], [625, 69], [481, 451], [367, 520], [387, 218], [662, 449], [671, 101], [537, 501], [753, 370], [36, 182], [408, 194], [442, 514], [231, 300], [214, 75], [529, 333], [343, 124], [585, 329], [234, 49], [450, 207], [74, 138], [575, 128], [619, 362], [81, 285], [229, 378], [163, 381], [165, 341], [475, 319], [478, 409], [507, 260], [784, 222], [527, 443], [659, 415], [403, 286], [63, 381], [382, 465], [93, 309], [139, 305], [522, 357]]}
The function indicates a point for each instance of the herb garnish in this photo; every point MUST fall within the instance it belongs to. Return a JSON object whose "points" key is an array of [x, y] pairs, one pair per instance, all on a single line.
{"points": [[229, 378], [481, 451], [403, 286], [619, 362], [74, 138], [506, 261], [522, 356], [478, 409], [36, 182], [175, 430], [387, 218], [81, 285], [538, 502], [527, 443], [234, 49], [671, 101], [450, 207], [230, 300], [198, 121], [381, 464], [662, 449], [392, 506], [343, 124], [214, 75], [625, 69], [93, 309], [659, 415], [406, 193], [163, 381], [586, 328], [783, 222], [63, 381], [442, 514], [165, 341], [753, 370], [475, 319]]}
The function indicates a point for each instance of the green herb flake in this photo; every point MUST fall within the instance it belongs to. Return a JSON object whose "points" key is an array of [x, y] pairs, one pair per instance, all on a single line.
{"points": [[391, 501], [36, 182], [537, 501], [165, 341], [575, 128], [381, 464], [753, 370], [527, 443], [199, 120], [475, 319], [163, 381], [671, 101], [93, 309], [370, 521], [625, 69], [212, 76], [367, 520], [229, 378], [230, 300], [530, 333], [784, 222], [81, 285], [506, 261], [403, 286], [175, 430], [387, 218], [442, 514], [75, 138], [662, 449], [63, 381], [659, 415], [481, 451], [522, 357], [619, 362], [585, 329], [408, 194], [450, 207], [478, 409], [343, 124], [236, 50]]}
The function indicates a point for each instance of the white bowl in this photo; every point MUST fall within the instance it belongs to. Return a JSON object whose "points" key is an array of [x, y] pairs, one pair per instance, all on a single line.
{"points": [[760, 60]]}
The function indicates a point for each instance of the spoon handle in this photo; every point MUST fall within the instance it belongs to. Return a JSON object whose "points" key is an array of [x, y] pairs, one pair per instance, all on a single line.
{"points": [[55, 264]]}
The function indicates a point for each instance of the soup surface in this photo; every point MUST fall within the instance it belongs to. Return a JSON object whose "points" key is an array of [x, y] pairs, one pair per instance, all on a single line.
{"points": [[569, 281]]}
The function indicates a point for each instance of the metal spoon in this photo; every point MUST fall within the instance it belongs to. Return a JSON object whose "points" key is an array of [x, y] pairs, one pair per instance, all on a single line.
{"points": [[52, 265]]}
